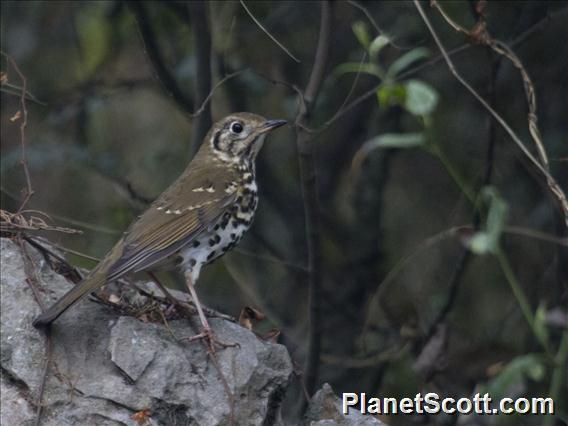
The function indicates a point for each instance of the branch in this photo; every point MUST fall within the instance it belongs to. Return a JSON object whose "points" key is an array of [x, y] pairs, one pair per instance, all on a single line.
{"points": [[552, 184], [372, 91], [480, 34], [202, 86], [465, 255], [22, 115], [310, 195], [164, 75], [257, 22]]}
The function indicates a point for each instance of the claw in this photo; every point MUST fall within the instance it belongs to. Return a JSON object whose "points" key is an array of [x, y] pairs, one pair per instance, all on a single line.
{"points": [[211, 340]]}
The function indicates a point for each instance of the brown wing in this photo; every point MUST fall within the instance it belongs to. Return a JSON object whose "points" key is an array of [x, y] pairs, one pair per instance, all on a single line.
{"points": [[192, 204]]}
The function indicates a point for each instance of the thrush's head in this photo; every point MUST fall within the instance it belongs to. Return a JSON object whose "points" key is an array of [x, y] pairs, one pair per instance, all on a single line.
{"points": [[239, 137]]}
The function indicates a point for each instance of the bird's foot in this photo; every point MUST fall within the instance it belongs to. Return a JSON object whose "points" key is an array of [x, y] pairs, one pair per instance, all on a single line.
{"points": [[210, 339]]}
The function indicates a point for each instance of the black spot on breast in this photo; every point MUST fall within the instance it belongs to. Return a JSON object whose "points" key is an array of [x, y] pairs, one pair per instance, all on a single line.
{"points": [[211, 242], [196, 243], [217, 238], [192, 262], [211, 255]]}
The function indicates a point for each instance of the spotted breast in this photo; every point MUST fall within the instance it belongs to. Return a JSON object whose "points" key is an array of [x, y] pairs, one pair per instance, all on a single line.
{"points": [[229, 229]]}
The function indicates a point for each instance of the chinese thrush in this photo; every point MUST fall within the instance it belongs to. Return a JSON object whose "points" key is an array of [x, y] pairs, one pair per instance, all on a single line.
{"points": [[203, 214]]}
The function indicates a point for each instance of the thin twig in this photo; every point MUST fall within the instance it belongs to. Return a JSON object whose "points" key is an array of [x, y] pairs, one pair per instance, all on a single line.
{"points": [[372, 91], [12, 89], [23, 116], [354, 84], [374, 22], [401, 264], [552, 184], [149, 39], [465, 255], [75, 252], [257, 22], [480, 34], [454, 286], [310, 195], [367, 14], [537, 235], [202, 81], [25, 221], [205, 102], [60, 265]]}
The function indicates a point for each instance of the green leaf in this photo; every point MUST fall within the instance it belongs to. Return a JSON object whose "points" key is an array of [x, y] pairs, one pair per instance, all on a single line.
{"points": [[362, 33], [395, 140], [421, 98], [487, 241], [407, 59], [93, 30], [524, 366], [391, 94], [388, 140], [354, 67], [377, 45], [539, 327]]}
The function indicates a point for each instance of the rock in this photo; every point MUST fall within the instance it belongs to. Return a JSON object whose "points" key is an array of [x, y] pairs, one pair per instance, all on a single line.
{"points": [[325, 409], [108, 367]]}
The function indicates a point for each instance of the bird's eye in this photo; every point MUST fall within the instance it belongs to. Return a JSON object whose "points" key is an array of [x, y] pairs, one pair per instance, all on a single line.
{"points": [[236, 127]]}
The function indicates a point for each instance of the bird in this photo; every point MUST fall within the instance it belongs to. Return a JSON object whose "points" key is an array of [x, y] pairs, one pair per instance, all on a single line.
{"points": [[198, 218]]}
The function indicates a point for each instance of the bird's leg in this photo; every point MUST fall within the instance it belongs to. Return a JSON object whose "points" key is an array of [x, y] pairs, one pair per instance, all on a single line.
{"points": [[207, 332], [211, 313], [193, 294]]}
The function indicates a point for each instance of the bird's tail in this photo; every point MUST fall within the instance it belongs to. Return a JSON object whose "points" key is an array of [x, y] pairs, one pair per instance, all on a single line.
{"points": [[89, 284]]}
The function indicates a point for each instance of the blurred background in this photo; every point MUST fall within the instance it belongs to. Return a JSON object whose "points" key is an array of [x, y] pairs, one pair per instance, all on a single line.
{"points": [[434, 229]]}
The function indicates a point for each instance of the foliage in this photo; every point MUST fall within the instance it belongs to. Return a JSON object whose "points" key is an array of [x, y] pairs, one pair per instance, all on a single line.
{"points": [[429, 214]]}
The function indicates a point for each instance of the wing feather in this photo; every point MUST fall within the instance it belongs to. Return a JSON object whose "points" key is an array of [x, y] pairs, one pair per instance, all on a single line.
{"points": [[175, 219]]}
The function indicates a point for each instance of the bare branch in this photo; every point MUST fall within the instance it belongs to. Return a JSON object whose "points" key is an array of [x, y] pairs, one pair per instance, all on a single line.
{"points": [[207, 100], [257, 22], [27, 221], [552, 184], [23, 116], [372, 91], [480, 34], [202, 85], [164, 75], [373, 22], [310, 195]]}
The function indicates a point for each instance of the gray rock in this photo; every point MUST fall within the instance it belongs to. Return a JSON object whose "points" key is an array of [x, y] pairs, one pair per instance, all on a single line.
{"points": [[108, 367], [325, 409]]}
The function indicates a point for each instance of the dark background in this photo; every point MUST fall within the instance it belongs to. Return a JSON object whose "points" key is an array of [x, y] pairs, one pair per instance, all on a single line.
{"points": [[112, 86]]}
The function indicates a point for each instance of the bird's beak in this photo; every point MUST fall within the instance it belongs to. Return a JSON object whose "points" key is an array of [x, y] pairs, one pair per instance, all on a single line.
{"points": [[271, 125]]}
